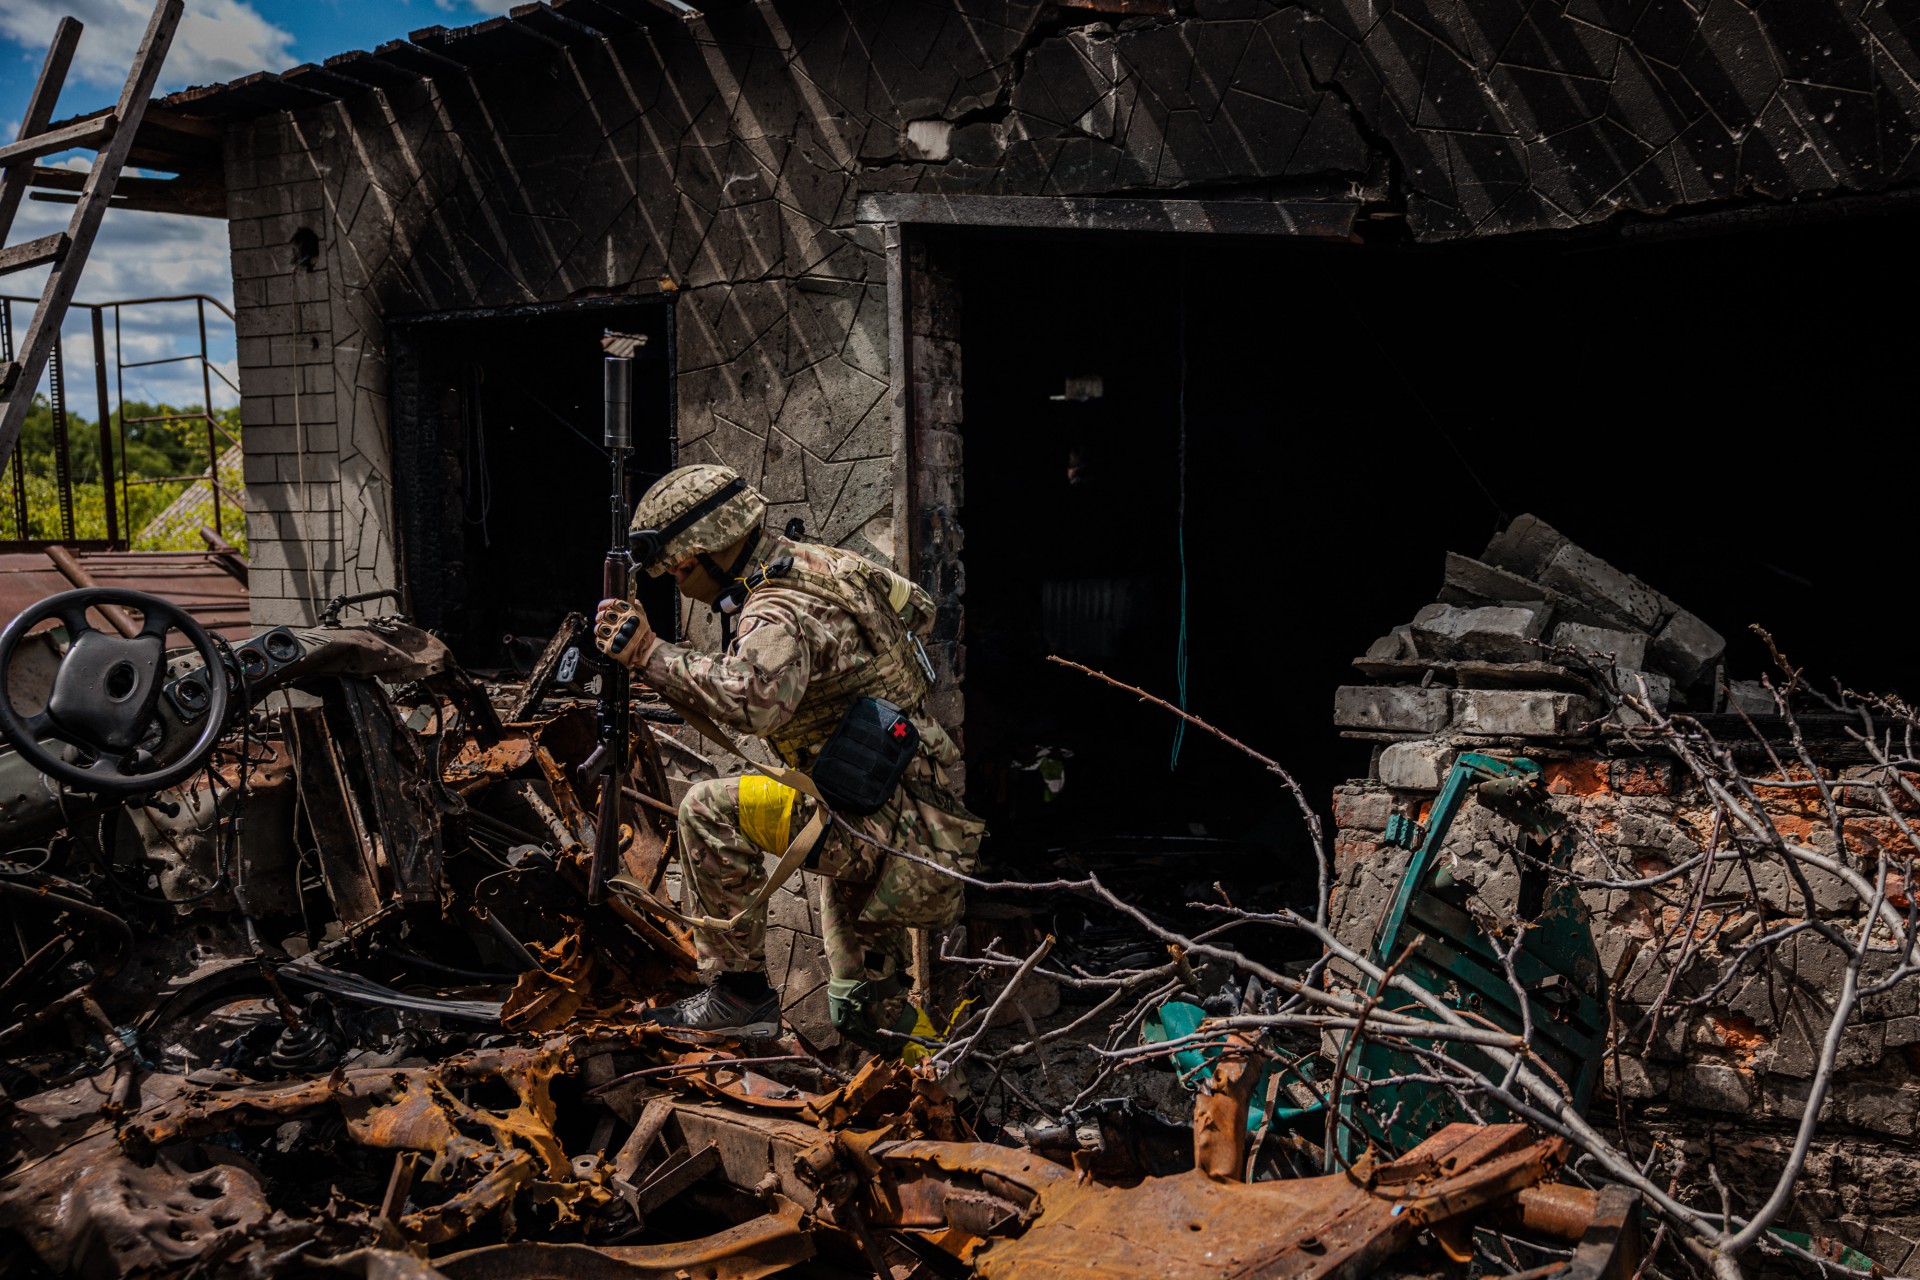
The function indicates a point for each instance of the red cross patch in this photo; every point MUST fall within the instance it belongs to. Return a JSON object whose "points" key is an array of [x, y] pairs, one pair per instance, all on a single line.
{"points": [[900, 728]]}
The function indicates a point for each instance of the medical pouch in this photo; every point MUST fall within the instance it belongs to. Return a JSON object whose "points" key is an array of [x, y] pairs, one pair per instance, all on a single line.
{"points": [[861, 763]]}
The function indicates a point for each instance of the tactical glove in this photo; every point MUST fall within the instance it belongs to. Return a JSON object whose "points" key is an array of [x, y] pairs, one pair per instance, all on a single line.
{"points": [[621, 631]]}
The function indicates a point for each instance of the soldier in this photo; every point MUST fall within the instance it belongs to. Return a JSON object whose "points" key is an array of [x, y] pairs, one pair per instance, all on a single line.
{"points": [[818, 628]]}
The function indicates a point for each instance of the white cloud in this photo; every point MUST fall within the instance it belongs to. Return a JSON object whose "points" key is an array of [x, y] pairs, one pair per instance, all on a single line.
{"points": [[218, 40], [140, 255]]}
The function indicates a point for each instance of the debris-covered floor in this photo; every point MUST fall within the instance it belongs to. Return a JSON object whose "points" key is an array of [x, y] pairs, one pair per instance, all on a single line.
{"points": [[337, 1003]]}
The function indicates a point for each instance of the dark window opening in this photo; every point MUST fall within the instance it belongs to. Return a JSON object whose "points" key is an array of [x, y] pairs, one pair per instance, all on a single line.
{"points": [[1722, 417], [502, 484]]}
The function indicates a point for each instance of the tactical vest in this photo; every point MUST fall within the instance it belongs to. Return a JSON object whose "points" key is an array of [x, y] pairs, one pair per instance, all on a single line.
{"points": [[890, 668]]}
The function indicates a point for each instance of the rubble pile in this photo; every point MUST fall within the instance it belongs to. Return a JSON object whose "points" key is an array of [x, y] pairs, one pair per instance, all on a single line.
{"points": [[338, 1003], [1712, 1043], [1478, 664]]}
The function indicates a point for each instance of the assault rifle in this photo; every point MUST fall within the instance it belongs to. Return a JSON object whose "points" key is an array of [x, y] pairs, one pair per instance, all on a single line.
{"points": [[611, 760]]}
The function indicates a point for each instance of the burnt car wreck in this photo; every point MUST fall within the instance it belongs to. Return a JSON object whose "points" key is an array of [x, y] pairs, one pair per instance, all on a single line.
{"points": [[325, 993], [304, 978]]}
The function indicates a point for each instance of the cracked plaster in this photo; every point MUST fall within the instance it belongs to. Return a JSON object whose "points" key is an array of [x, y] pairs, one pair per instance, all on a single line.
{"points": [[726, 159]]}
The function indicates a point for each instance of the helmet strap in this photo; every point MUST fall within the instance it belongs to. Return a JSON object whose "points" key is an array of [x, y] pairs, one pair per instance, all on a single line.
{"points": [[732, 580], [647, 544]]}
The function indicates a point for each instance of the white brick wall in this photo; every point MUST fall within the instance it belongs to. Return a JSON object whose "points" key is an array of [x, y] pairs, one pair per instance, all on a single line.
{"points": [[318, 512]]}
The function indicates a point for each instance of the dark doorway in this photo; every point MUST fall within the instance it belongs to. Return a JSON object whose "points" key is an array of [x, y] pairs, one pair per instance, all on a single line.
{"points": [[1721, 416], [502, 483]]}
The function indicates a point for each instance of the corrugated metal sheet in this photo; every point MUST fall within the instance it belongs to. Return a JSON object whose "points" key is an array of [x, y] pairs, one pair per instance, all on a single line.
{"points": [[192, 580]]}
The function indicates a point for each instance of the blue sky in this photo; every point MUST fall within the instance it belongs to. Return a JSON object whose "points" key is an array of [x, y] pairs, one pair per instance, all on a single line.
{"points": [[149, 254]]}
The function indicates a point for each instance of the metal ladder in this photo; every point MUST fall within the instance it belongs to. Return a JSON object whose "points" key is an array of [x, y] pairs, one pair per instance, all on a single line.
{"points": [[111, 134]]}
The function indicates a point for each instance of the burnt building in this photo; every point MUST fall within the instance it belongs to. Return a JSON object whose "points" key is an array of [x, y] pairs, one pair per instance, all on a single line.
{"points": [[1169, 336], [1193, 341]]}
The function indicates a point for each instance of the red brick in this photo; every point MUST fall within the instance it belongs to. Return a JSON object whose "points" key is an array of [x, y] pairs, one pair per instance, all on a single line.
{"points": [[1576, 777], [1641, 777]]}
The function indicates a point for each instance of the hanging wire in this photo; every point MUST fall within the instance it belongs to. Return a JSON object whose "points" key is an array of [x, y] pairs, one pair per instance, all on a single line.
{"points": [[1180, 531]]}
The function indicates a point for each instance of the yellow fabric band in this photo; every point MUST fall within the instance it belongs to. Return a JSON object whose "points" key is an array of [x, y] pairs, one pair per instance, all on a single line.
{"points": [[766, 812]]}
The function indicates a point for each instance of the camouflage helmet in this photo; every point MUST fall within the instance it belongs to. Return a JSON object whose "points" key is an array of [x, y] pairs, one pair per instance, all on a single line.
{"points": [[701, 508]]}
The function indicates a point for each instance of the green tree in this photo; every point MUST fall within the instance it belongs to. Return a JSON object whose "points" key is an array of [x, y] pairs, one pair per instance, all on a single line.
{"points": [[150, 442]]}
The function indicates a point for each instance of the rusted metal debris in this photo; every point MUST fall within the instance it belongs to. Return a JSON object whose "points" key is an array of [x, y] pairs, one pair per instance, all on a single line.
{"points": [[339, 1005]]}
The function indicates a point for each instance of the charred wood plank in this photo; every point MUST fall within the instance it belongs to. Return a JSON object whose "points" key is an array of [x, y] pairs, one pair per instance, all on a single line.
{"points": [[390, 771], [563, 28], [676, 1177], [365, 69], [1328, 219], [34, 253], [81, 133], [347, 860]]}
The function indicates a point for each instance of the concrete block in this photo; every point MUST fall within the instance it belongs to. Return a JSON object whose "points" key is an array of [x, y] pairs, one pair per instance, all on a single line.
{"points": [[314, 437], [266, 583], [1636, 1079], [1518, 711], [268, 381], [1490, 633], [305, 409], [1686, 647], [1627, 648], [1476, 580], [265, 553], [1525, 547], [259, 322], [1397, 643], [1713, 1087], [1587, 577], [1390, 707], [263, 612], [1751, 697], [311, 468], [258, 467], [1415, 766], [265, 261], [1650, 687], [1362, 808], [1473, 582]]}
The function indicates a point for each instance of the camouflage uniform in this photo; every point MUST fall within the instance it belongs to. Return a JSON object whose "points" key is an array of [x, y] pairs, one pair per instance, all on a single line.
{"points": [[788, 641]]}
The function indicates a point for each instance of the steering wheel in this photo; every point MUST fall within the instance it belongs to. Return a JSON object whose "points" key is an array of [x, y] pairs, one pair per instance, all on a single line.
{"points": [[106, 692]]}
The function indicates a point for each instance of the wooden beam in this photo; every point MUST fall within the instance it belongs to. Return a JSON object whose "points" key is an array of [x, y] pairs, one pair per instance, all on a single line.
{"points": [[542, 18], [411, 57], [1332, 219], [375, 73], [46, 93], [33, 253], [90, 132]]}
